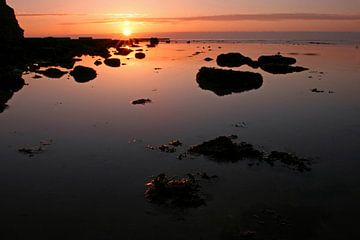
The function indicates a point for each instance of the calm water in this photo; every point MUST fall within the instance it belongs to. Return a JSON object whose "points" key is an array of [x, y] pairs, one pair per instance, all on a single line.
{"points": [[89, 183]]}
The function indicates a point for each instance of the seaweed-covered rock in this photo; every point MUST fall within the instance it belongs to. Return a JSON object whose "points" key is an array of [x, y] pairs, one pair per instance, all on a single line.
{"points": [[224, 149], [276, 59], [140, 55], [112, 62], [289, 160], [142, 101], [275, 68], [52, 73], [83, 74], [223, 82], [232, 60], [174, 192], [11, 33]]}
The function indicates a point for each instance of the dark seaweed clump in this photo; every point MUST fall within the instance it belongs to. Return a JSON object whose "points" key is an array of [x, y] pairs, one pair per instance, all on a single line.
{"points": [[224, 82], [174, 192], [225, 149]]}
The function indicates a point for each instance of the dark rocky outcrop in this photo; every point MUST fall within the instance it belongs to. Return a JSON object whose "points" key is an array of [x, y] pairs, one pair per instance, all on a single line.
{"points": [[232, 60], [223, 82], [142, 101], [83, 74], [11, 33]]}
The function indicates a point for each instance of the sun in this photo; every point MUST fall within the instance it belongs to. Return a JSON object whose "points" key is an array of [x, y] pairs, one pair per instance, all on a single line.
{"points": [[127, 32]]}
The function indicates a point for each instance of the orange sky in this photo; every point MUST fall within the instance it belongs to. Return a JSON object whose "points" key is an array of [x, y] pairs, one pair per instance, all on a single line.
{"points": [[65, 17]]}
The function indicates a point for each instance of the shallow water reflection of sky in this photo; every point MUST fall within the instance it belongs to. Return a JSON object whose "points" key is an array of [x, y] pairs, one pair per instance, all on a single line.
{"points": [[90, 181]]}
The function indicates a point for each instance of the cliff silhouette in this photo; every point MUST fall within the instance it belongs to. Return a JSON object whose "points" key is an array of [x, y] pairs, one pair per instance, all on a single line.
{"points": [[11, 32]]}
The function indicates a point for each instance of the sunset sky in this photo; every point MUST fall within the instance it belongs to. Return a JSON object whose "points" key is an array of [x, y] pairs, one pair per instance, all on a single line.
{"points": [[69, 17]]}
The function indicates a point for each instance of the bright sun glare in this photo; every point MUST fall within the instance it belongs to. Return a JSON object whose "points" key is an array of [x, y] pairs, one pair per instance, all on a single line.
{"points": [[127, 29]]}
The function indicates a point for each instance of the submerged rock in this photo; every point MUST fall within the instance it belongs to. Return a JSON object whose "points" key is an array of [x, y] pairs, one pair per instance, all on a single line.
{"points": [[140, 55], [224, 82], [289, 160], [174, 192], [208, 59], [52, 73], [83, 74], [112, 62], [232, 60]]}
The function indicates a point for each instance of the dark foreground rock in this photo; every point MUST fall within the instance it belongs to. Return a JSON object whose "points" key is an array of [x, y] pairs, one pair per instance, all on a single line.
{"points": [[224, 82], [174, 192], [232, 60], [225, 149], [83, 74], [112, 62]]}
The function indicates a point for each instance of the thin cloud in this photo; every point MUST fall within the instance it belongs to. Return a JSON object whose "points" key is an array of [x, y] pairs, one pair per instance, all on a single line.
{"points": [[230, 17]]}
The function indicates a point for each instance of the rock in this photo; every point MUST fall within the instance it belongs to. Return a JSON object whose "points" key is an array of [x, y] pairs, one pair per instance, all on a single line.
{"points": [[83, 74], [208, 59], [123, 51], [112, 62], [154, 41], [140, 55], [141, 101], [289, 160], [225, 82], [52, 73], [11, 33], [315, 90], [223, 149], [276, 68], [97, 63], [174, 192], [232, 60], [276, 59]]}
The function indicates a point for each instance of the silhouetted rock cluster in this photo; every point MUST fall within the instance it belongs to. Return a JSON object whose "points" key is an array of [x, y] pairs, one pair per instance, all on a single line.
{"points": [[275, 64], [225, 149], [223, 82], [10, 82]]}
